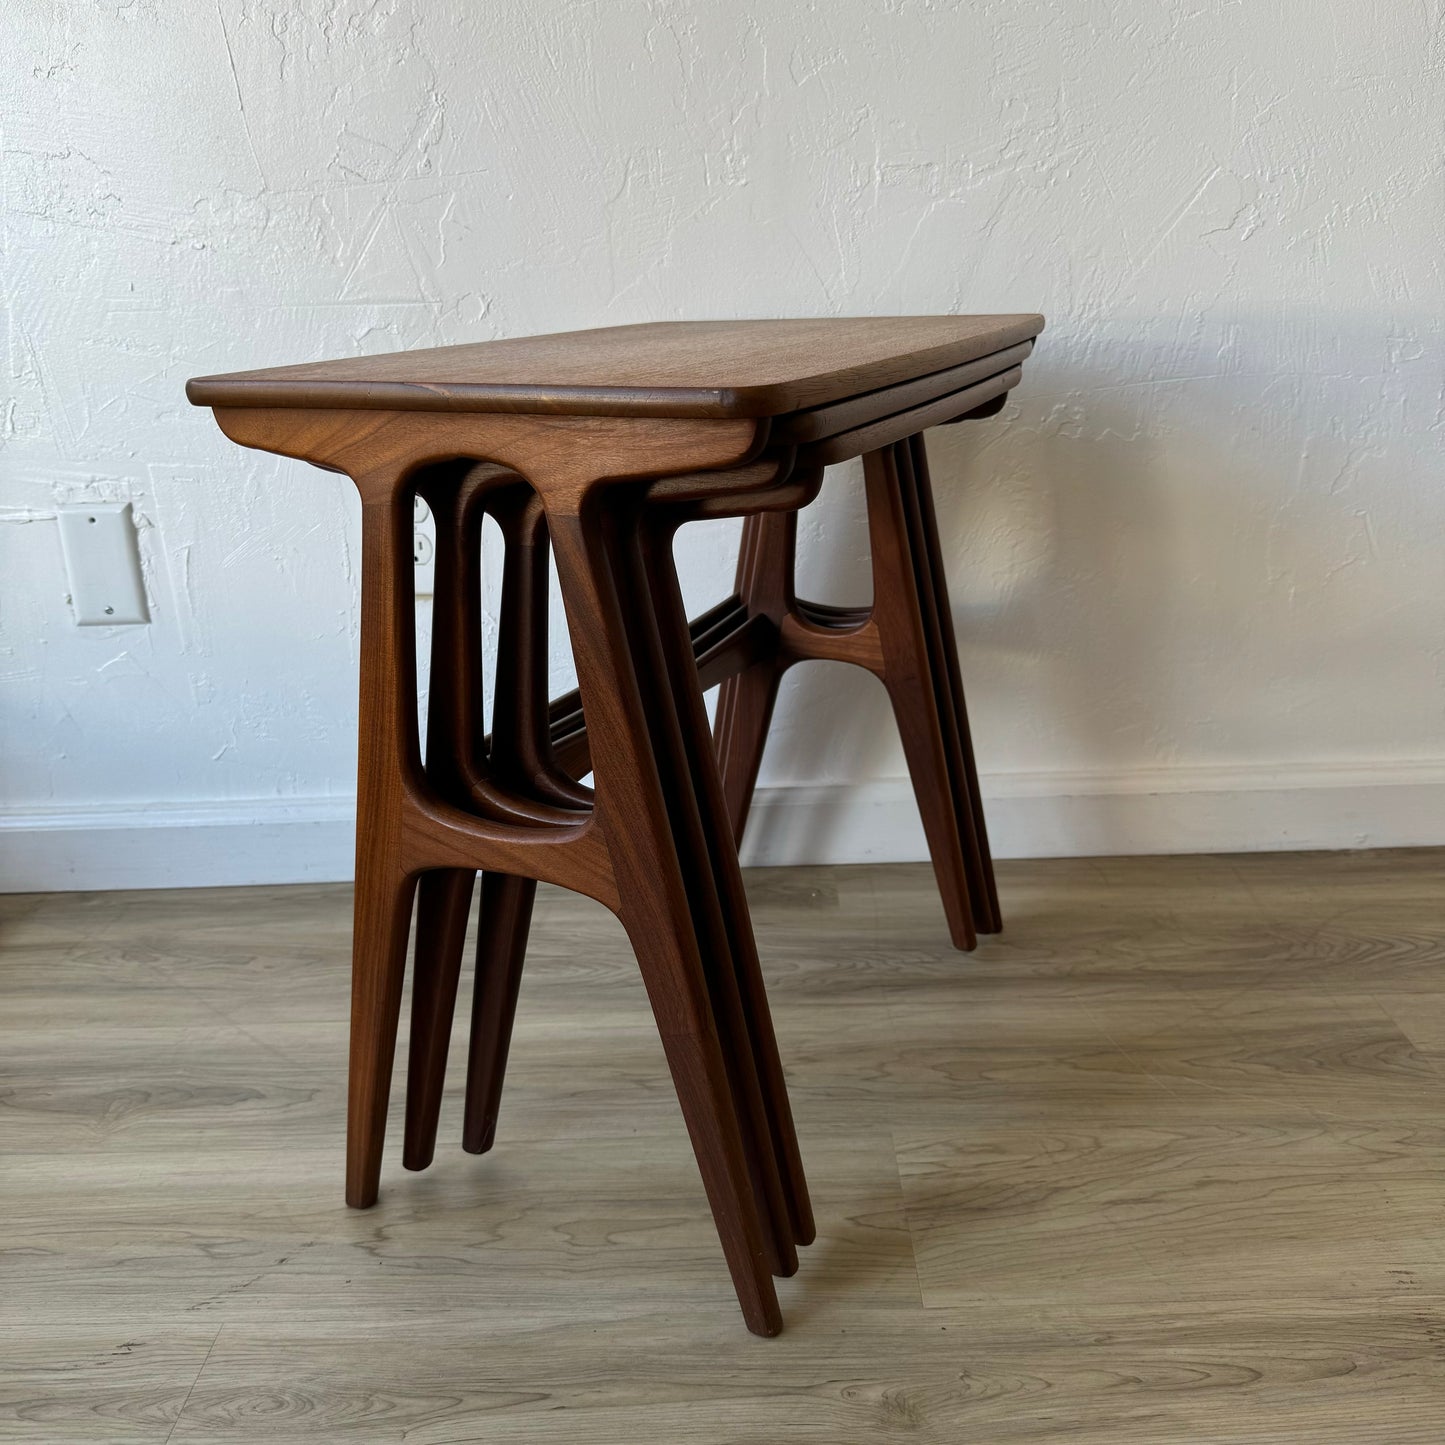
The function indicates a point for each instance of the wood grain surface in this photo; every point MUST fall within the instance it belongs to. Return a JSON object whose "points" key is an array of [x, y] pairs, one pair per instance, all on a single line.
{"points": [[1161, 1163], [660, 368], [655, 839]]}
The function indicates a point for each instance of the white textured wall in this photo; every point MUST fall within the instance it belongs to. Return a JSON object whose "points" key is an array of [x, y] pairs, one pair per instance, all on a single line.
{"points": [[1203, 550]]}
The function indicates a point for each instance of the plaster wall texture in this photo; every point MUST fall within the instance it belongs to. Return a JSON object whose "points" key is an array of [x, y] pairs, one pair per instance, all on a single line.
{"points": [[1200, 551]]}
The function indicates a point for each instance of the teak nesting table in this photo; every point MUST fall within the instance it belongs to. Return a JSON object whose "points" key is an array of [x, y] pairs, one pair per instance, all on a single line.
{"points": [[597, 446]]}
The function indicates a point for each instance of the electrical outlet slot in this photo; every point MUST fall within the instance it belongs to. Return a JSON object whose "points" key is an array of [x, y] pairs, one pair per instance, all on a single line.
{"points": [[423, 547]]}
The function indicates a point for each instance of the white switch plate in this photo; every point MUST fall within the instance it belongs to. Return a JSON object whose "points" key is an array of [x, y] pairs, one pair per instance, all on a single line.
{"points": [[102, 563], [424, 547]]}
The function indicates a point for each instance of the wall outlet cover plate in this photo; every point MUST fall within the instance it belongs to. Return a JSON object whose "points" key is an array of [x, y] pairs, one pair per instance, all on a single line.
{"points": [[102, 562]]}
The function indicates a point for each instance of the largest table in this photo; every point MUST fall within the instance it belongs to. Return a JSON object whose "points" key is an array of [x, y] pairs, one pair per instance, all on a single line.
{"points": [[600, 444]]}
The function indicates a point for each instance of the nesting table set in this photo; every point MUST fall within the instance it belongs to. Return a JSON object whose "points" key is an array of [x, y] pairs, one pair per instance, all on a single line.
{"points": [[592, 448]]}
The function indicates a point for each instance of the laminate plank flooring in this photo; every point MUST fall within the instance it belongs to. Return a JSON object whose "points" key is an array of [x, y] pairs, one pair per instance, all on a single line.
{"points": [[1163, 1162]]}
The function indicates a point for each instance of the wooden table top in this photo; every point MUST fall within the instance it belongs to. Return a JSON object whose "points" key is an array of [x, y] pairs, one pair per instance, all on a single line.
{"points": [[662, 368]]}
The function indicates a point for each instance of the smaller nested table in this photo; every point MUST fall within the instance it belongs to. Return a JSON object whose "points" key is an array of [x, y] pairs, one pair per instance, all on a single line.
{"points": [[598, 445]]}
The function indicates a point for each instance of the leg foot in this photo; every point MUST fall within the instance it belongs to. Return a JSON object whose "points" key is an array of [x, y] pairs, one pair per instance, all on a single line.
{"points": [[383, 919], [444, 901], [505, 917]]}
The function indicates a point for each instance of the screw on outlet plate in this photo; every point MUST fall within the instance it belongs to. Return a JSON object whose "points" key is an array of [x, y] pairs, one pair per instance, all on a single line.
{"points": [[102, 564]]}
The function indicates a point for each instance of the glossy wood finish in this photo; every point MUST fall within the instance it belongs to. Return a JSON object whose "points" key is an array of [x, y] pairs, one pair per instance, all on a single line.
{"points": [[506, 915], [515, 760], [748, 641], [906, 639], [664, 368], [1161, 1165], [604, 485], [636, 849]]}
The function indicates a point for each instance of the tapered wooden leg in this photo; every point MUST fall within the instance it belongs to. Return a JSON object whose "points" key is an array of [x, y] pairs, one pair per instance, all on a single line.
{"points": [[444, 902], [983, 890], [637, 780], [521, 755], [764, 1088], [444, 896], [908, 640], [700, 1076], [740, 733], [957, 787], [378, 967], [504, 919], [898, 611], [745, 702], [663, 649], [384, 889]]}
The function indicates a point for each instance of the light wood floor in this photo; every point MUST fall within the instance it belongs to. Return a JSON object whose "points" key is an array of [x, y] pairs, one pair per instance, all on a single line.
{"points": [[1162, 1163]]}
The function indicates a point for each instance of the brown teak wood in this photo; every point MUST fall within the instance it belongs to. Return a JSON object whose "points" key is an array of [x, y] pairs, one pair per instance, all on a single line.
{"points": [[598, 445]]}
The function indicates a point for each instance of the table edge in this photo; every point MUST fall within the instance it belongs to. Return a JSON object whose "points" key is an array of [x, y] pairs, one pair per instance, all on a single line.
{"points": [[767, 400]]}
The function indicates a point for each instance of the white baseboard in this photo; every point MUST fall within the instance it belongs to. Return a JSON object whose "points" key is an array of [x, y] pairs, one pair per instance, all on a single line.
{"points": [[1100, 814], [175, 845], [1030, 815]]}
